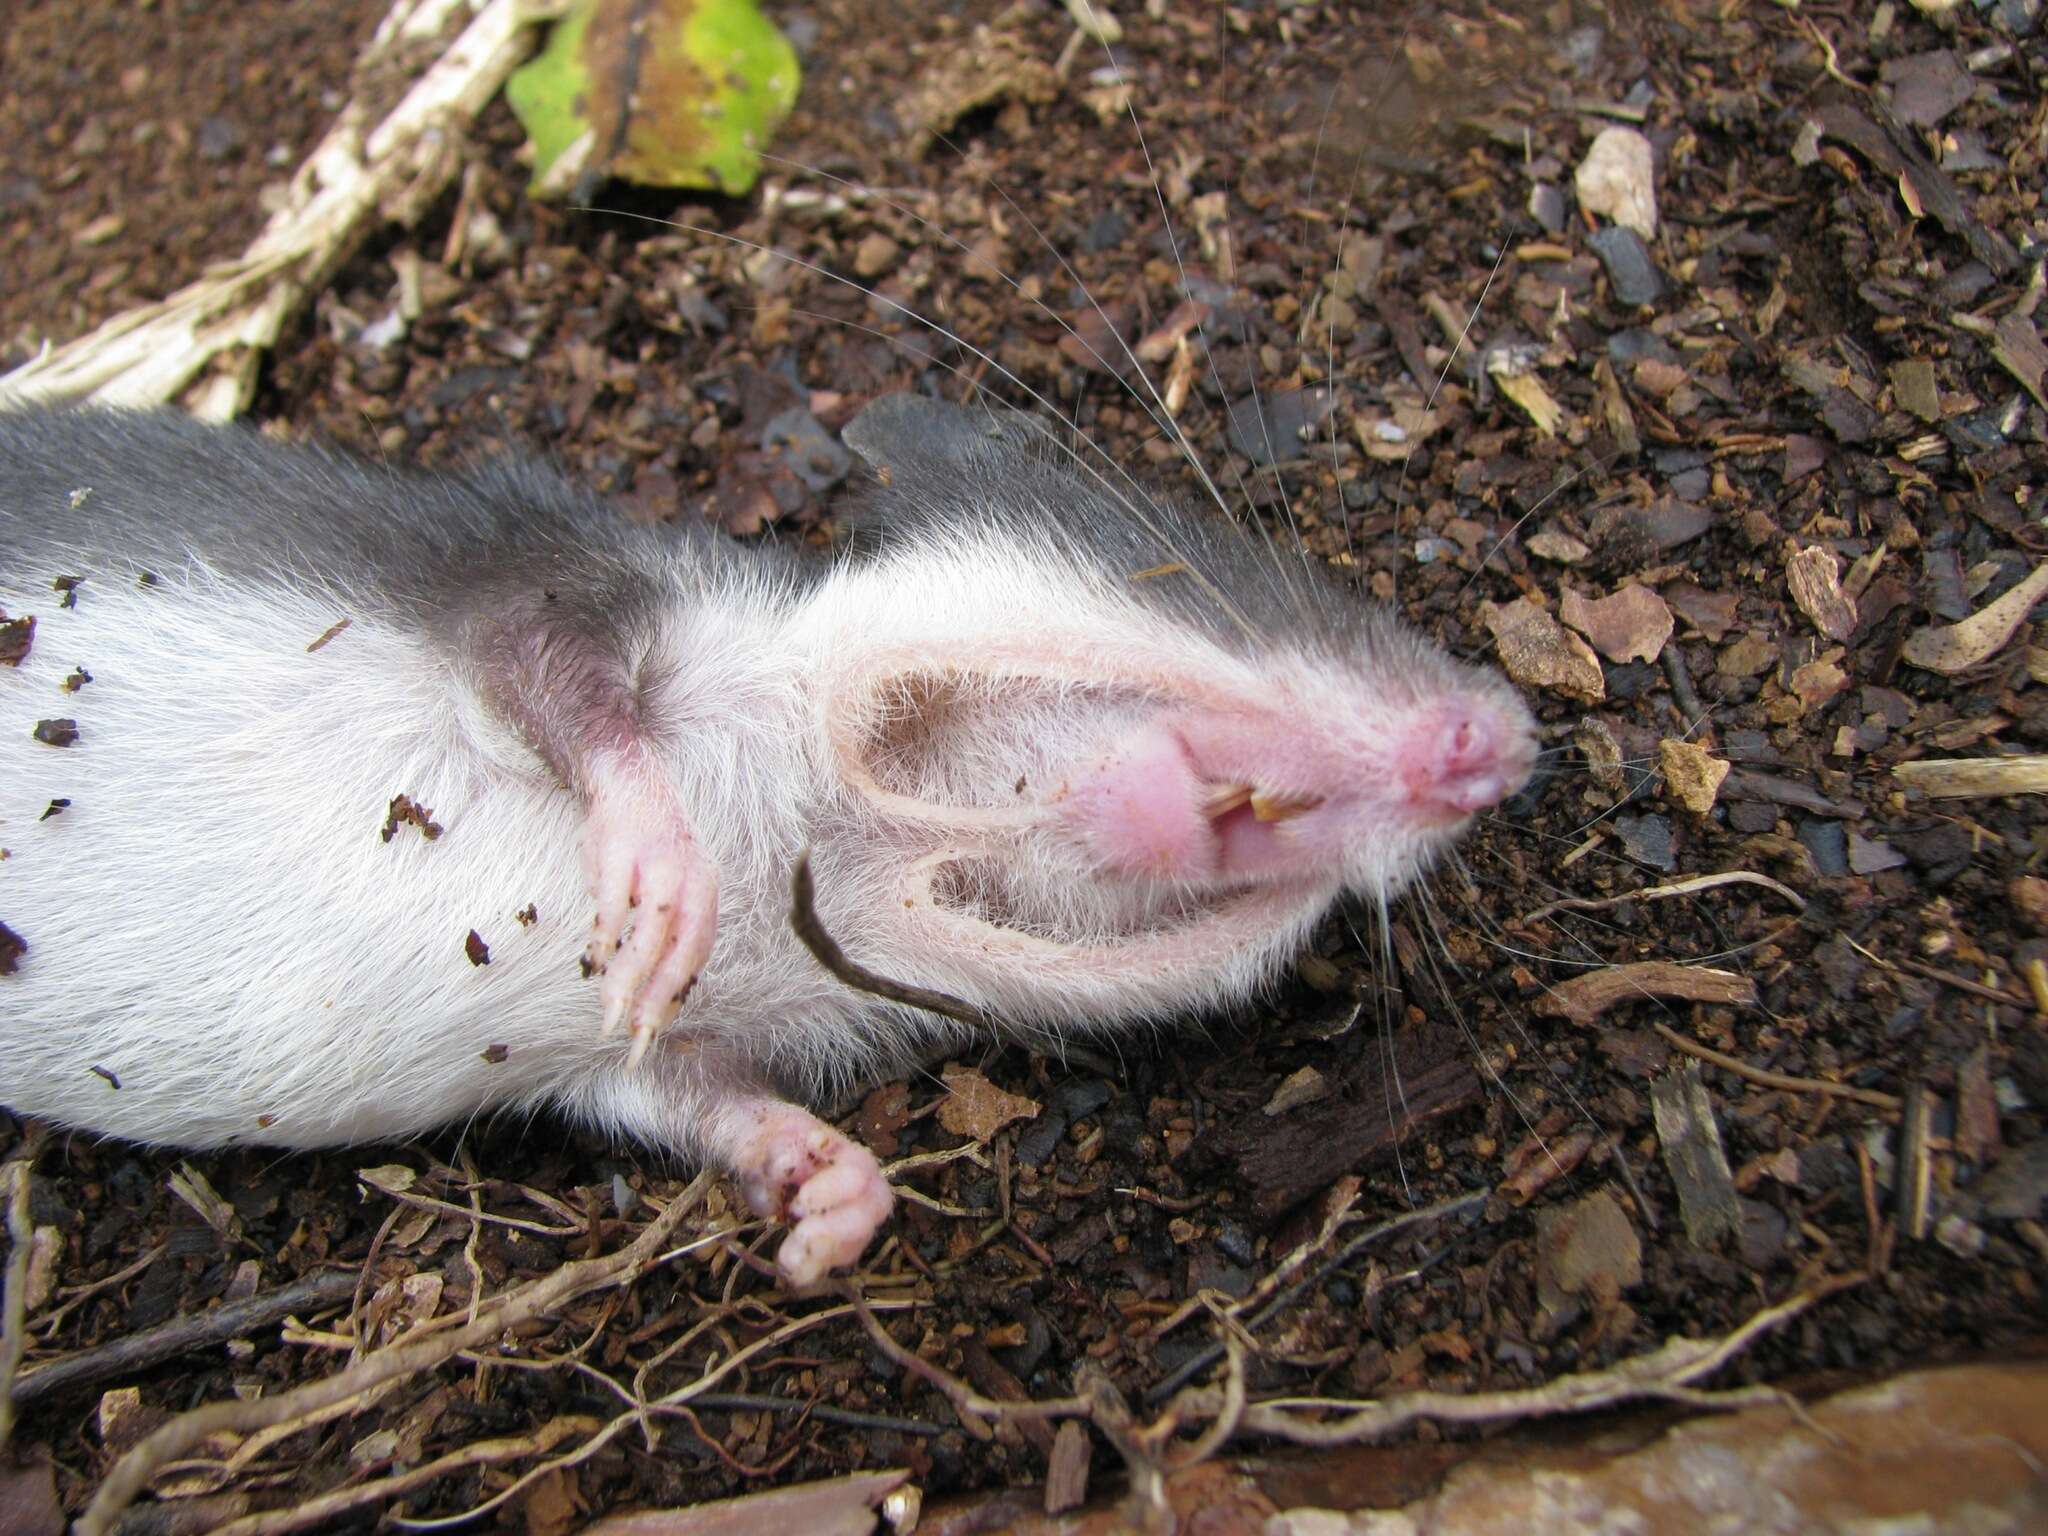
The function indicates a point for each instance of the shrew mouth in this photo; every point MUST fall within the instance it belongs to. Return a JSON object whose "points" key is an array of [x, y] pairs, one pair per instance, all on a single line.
{"points": [[977, 745]]}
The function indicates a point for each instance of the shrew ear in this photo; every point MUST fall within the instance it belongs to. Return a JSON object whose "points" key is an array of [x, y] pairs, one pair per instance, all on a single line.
{"points": [[906, 436]]}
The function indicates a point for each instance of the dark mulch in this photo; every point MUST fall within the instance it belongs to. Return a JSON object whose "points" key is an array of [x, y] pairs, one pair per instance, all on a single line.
{"points": [[1819, 372]]}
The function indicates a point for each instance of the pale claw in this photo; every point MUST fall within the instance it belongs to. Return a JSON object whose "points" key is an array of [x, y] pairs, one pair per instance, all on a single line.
{"points": [[828, 1187], [657, 910]]}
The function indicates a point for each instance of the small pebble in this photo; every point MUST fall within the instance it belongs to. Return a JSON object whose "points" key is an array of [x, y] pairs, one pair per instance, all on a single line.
{"points": [[1630, 270]]}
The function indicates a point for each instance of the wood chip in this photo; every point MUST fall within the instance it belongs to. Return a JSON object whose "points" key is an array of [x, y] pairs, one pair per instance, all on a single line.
{"points": [[2019, 350], [1066, 1472], [1969, 778], [1976, 1133], [2029, 897], [1747, 655], [1953, 648], [1711, 613], [1692, 774], [1539, 1161], [836, 1506], [1582, 999], [1538, 652], [1815, 577], [1893, 148], [1914, 388], [1631, 625], [1691, 1143], [190, 1186], [1916, 1162], [1537, 403], [1187, 318]]}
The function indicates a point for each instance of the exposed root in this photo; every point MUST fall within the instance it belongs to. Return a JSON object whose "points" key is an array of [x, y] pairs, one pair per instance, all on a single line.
{"points": [[1671, 1373], [14, 1297], [1667, 1374], [643, 1410], [1662, 892], [1768, 1079], [478, 1453], [308, 1403]]}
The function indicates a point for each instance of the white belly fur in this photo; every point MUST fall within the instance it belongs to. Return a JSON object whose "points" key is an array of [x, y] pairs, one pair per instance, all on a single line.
{"points": [[215, 922]]}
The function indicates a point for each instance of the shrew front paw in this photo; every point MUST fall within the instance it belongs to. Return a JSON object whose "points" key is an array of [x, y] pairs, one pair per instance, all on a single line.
{"points": [[657, 911]]}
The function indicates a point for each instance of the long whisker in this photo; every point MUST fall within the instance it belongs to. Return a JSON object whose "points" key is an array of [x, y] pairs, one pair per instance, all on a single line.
{"points": [[1181, 271], [1557, 490], [1152, 402], [1134, 507]]}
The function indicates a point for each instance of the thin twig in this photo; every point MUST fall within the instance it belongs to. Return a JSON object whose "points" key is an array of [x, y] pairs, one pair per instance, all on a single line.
{"points": [[478, 1453], [76, 1296], [131, 1474], [1964, 984], [1283, 1298], [973, 1409], [1768, 1079], [1660, 892], [181, 1335]]}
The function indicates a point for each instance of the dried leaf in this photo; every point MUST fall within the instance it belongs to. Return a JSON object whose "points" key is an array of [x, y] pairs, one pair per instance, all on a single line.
{"points": [[1631, 625], [1818, 682], [1538, 652], [673, 93], [390, 1178], [1953, 648], [976, 1107]]}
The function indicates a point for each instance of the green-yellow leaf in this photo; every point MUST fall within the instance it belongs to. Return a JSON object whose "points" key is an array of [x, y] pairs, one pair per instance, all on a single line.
{"points": [[665, 93]]}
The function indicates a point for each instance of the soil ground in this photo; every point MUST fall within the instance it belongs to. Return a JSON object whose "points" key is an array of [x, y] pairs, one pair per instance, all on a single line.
{"points": [[1349, 191]]}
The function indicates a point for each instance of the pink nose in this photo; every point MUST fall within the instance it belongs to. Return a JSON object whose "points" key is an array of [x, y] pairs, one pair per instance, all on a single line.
{"points": [[1455, 763]]}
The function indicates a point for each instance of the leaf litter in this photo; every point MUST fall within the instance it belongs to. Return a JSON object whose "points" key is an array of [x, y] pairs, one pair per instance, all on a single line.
{"points": [[1655, 441]]}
